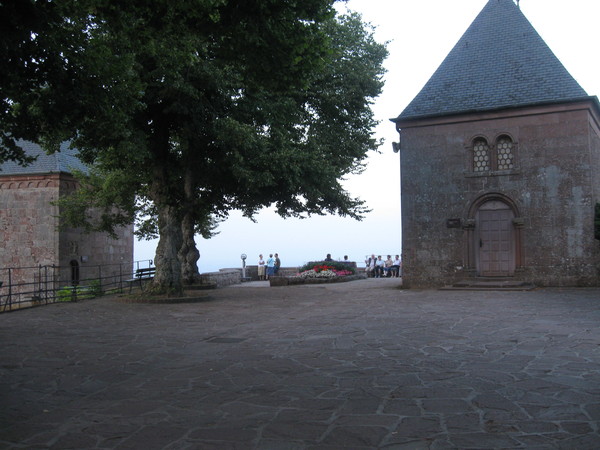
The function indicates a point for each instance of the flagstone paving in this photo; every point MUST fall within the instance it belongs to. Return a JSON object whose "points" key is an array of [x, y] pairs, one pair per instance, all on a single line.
{"points": [[358, 365]]}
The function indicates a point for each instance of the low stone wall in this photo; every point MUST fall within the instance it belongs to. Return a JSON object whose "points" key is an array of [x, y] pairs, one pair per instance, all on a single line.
{"points": [[287, 271], [227, 277], [252, 272], [222, 278]]}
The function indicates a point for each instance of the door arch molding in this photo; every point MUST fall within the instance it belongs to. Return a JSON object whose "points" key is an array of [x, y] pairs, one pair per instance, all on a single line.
{"points": [[492, 196]]}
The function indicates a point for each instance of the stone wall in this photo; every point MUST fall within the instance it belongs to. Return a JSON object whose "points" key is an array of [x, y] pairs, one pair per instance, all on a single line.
{"points": [[28, 223], [30, 236], [552, 190], [222, 278], [252, 272], [227, 277], [91, 250]]}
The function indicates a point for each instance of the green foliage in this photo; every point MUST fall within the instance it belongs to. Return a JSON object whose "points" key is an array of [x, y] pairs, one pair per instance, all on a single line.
{"points": [[337, 265], [65, 294], [104, 201], [95, 288], [192, 109], [68, 293]]}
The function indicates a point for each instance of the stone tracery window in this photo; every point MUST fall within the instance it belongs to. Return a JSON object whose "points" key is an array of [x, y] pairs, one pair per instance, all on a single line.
{"points": [[498, 157], [481, 155], [504, 153]]}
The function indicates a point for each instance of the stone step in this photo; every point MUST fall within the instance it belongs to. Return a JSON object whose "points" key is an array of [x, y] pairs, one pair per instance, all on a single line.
{"points": [[491, 284]]}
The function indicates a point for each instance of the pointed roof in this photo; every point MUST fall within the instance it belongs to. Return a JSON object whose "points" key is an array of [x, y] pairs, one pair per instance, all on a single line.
{"points": [[64, 161], [500, 62]]}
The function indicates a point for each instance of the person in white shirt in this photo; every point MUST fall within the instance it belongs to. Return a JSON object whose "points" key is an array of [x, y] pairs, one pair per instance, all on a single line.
{"points": [[396, 266], [379, 264], [261, 267], [370, 263]]}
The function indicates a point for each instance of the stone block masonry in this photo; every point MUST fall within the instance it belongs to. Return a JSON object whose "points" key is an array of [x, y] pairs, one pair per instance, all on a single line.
{"points": [[30, 235]]}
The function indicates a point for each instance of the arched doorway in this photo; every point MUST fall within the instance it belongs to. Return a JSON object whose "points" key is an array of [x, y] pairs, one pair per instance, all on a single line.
{"points": [[494, 236], [74, 272], [496, 254]]}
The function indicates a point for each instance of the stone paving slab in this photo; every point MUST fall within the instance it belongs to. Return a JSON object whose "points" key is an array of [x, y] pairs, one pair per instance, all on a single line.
{"points": [[358, 365]]}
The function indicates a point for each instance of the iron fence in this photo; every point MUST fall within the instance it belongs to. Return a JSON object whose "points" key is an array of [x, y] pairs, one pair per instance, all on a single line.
{"points": [[24, 287]]}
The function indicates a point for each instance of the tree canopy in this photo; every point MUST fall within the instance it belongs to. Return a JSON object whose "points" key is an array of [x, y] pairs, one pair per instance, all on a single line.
{"points": [[188, 109]]}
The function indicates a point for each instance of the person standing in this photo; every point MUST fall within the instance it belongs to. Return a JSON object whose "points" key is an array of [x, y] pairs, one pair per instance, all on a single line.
{"points": [[270, 266], [261, 267], [277, 263]]}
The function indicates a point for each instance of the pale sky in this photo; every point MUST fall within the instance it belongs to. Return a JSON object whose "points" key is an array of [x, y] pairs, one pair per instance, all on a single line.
{"points": [[421, 34]]}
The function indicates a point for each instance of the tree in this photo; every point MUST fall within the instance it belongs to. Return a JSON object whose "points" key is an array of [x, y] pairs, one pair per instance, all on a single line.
{"points": [[189, 109]]}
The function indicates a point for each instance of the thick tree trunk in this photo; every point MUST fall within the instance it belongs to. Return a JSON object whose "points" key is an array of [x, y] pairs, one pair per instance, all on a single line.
{"points": [[168, 267], [189, 254], [163, 191]]}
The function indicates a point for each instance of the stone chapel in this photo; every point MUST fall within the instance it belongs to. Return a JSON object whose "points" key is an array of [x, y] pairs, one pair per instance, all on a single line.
{"points": [[29, 222], [500, 163]]}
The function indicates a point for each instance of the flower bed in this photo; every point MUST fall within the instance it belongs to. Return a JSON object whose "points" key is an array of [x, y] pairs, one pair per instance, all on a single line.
{"points": [[324, 272], [326, 269], [319, 272]]}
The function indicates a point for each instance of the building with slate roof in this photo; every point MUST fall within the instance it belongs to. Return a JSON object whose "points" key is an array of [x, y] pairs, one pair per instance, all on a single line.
{"points": [[64, 161], [29, 224], [500, 154]]}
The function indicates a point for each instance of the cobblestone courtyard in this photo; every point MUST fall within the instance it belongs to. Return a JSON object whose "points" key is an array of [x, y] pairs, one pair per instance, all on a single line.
{"points": [[358, 365]]}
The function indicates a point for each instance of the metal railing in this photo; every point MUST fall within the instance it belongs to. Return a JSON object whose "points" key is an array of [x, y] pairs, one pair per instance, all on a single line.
{"points": [[24, 287]]}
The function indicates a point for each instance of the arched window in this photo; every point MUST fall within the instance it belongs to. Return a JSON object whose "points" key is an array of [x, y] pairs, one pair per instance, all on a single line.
{"points": [[481, 155], [74, 273], [497, 158], [504, 153]]}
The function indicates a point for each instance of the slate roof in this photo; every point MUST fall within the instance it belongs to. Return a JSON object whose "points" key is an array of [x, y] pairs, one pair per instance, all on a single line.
{"points": [[499, 62], [64, 161]]}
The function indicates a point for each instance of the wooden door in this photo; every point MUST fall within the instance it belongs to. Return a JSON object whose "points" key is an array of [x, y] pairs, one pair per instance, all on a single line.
{"points": [[496, 240]]}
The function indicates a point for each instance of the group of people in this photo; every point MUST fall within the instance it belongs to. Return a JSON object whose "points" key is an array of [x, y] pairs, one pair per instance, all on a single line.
{"points": [[328, 258], [379, 268], [375, 266], [269, 268]]}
